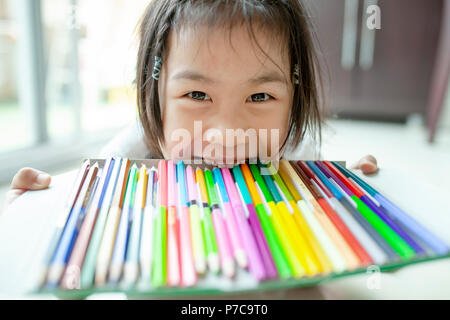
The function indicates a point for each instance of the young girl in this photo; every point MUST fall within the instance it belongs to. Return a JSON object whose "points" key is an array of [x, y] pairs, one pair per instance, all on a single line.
{"points": [[220, 65]]}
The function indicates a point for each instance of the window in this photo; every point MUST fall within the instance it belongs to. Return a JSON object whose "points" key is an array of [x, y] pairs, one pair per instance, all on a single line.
{"points": [[66, 80]]}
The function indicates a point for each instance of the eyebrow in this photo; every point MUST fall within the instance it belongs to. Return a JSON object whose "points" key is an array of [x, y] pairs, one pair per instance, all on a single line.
{"points": [[266, 77]]}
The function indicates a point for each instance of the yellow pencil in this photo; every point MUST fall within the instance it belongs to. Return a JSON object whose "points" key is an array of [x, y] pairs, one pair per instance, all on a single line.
{"points": [[318, 253], [280, 217], [347, 253], [312, 266]]}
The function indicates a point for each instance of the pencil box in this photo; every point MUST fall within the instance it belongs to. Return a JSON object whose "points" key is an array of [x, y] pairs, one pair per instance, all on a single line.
{"points": [[299, 224]]}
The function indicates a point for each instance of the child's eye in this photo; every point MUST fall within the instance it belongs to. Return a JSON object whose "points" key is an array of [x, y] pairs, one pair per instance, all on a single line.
{"points": [[259, 97], [198, 95]]}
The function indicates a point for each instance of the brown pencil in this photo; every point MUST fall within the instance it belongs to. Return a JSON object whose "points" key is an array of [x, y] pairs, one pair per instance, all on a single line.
{"points": [[71, 277], [109, 235], [70, 232], [72, 196]]}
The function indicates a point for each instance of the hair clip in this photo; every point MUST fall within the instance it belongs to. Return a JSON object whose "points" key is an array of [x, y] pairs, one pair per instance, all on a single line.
{"points": [[157, 68], [296, 74]]}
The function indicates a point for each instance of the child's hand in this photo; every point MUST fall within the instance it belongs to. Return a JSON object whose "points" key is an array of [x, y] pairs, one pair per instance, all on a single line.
{"points": [[26, 179], [367, 165]]}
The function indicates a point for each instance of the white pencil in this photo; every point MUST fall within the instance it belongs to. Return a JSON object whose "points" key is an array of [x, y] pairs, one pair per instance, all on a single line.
{"points": [[131, 268], [146, 254]]}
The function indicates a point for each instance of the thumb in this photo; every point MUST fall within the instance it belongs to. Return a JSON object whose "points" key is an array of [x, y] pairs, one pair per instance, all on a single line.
{"points": [[367, 164], [30, 179]]}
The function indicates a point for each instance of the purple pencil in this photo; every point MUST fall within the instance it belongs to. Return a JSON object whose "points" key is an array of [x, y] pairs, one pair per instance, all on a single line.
{"points": [[256, 264]]}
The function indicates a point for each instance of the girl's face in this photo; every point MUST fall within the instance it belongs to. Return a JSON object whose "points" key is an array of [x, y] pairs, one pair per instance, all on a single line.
{"points": [[225, 85]]}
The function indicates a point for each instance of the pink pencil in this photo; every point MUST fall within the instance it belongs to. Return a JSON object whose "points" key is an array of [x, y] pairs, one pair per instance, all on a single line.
{"points": [[173, 236], [230, 220], [256, 264], [189, 276], [223, 241]]}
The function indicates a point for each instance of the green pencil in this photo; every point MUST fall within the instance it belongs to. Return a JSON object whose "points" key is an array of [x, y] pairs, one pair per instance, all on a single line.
{"points": [[277, 249], [89, 265], [159, 275], [207, 225]]}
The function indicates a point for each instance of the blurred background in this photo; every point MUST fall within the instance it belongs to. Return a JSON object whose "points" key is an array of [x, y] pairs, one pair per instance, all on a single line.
{"points": [[67, 70]]}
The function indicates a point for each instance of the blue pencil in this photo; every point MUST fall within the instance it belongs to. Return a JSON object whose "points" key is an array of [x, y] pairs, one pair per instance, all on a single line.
{"points": [[398, 214], [120, 247], [71, 229], [380, 212], [354, 212]]}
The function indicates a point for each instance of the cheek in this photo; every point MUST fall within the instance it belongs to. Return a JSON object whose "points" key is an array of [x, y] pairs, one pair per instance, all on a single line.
{"points": [[178, 126], [274, 120]]}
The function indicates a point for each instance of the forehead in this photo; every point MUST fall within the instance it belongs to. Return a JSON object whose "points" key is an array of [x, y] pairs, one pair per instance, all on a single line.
{"points": [[226, 53]]}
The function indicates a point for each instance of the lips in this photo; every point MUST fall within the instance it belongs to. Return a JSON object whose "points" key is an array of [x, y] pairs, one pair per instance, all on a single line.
{"points": [[227, 162]]}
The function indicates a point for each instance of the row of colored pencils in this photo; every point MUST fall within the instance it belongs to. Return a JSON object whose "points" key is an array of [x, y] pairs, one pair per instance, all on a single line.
{"points": [[168, 226]]}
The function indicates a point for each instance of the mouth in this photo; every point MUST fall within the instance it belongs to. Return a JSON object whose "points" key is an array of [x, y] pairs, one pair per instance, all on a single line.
{"points": [[225, 162]]}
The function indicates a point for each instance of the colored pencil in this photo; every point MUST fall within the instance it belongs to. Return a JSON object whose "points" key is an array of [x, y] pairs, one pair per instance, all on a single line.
{"points": [[364, 258], [256, 264], [281, 247], [120, 246], [332, 253], [146, 246], [223, 241], [131, 267], [89, 265], [105, 251], [359, 229], [71, 229], [342, 245], [159, 270], [378, 210], [69, 203], [198, 244], [173, 234], [207, 223], [316, 256], [189, 275], [247, 203], [350, 206], [275, 248], [230, 219], [71, 277], [398, 214], [298, 259], [394, 240]]}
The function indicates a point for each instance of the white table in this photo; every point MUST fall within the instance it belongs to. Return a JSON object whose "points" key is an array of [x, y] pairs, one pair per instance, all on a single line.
{"points": [[26, 228]]}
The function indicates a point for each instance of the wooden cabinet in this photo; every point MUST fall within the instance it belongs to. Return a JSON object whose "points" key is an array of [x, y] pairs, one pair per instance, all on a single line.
{"points": [[380, 74]]}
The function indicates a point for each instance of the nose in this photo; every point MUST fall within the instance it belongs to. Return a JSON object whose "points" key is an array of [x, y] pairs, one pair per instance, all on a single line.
{"points": [[229, 120], [227, 130]]}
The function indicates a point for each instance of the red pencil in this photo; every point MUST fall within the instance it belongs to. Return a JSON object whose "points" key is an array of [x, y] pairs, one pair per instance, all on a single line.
{"points": [[360, 252]]}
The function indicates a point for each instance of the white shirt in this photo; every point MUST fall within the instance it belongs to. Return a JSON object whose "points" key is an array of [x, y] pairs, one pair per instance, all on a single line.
{"points": [[129, 143]]}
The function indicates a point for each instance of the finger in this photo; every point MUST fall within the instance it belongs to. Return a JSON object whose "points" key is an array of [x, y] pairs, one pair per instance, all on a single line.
{"points": [[30, 179], [367, 164]]}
